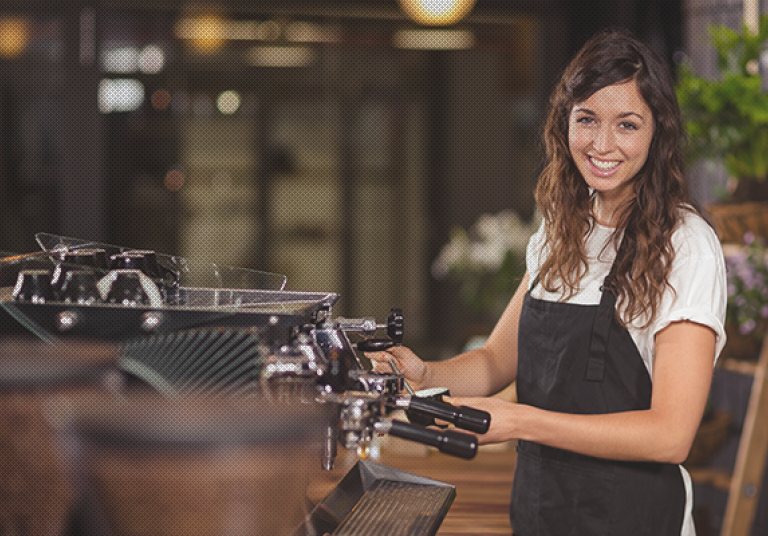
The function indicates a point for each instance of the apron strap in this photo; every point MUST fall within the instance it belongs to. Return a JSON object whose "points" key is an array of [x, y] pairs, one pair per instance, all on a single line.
{"points": [[601, 328], [534, 283]]}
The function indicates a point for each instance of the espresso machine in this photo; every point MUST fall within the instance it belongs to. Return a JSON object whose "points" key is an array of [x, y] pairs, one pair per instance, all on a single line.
{"points": [[186, 328]]}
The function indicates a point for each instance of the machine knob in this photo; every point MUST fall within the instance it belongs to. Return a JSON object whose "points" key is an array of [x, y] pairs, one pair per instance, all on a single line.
{"points": [[395, 330], [396, 325]]}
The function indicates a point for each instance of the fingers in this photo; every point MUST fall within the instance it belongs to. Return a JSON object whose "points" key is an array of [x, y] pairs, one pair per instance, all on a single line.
{"points": [[379, 357], [383, 358], [383, 366], [380, 361], [405, 361]]}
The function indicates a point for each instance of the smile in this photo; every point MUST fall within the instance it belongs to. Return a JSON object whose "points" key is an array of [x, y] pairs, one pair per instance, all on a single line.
{"points": [[604, 165]]}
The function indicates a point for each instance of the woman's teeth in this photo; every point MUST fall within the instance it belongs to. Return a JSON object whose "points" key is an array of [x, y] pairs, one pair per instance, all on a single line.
{"points": [[604, 165]]}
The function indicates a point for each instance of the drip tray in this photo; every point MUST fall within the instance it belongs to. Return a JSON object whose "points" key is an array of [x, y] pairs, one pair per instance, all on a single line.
{"points": [[377, 500]]}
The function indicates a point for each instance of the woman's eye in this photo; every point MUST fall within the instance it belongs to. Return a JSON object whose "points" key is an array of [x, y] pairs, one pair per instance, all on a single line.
{"points": [[628, 126], [585, 120]]}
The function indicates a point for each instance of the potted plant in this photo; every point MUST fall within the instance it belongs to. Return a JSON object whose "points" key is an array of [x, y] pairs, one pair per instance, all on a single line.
{"points": [[747, 311], [727, 120]]}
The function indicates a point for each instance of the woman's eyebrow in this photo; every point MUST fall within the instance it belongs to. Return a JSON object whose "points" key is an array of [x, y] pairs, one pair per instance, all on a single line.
{"points": [[628, 114], [620, 116]]}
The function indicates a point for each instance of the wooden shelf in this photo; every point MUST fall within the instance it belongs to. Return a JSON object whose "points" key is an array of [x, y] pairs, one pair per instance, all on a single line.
{"points": [[746, 367], [715, 477]]}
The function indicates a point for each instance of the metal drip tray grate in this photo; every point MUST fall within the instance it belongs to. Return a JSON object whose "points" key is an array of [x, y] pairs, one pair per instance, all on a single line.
{"points": [[395, 508], [376, 500]]}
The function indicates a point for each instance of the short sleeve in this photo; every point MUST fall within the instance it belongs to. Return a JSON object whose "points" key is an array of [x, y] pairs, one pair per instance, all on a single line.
{"points": [[534, 254], [698, 283]]}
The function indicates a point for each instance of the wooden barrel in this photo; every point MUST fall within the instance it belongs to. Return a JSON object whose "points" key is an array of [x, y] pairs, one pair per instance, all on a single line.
{"points": [[197, 466], [37, 495]]}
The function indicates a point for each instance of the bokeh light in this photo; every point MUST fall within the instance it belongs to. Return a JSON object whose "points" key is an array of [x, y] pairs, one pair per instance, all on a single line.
{"points": [[228, 102], [174, 180], [151, 59], [14, 36], [204, 33], [161, 99], [120, 95]]}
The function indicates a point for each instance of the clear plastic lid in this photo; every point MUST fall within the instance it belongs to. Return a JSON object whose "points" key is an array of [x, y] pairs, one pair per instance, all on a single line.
{"points": [[189, 272], [147, 292]]}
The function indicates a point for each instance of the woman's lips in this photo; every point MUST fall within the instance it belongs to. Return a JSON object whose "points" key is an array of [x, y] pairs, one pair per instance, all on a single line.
{"points": [[603, 168]]}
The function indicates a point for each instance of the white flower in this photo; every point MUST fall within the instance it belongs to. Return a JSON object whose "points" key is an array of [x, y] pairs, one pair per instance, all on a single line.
{"points": [[452, 254], [485, 256], [484, 247]]}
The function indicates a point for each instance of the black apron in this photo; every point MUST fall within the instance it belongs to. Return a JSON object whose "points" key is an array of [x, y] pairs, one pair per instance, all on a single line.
{"points": [[578, 359]]}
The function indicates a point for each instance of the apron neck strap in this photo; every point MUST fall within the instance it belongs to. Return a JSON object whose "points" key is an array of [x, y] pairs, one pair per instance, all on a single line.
{"points": [[601, 327]]}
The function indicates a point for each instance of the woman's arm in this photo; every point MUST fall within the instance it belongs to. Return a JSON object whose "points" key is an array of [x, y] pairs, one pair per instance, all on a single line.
{"points": [[682, 375], [480, 372]]}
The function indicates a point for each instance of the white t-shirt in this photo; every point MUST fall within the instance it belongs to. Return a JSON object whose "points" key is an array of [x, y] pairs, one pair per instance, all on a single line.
{"points": [[698, 278]]}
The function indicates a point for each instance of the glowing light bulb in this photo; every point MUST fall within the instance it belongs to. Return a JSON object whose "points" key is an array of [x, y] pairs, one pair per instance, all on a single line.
{"points": [[437, 12], [14, 36]]}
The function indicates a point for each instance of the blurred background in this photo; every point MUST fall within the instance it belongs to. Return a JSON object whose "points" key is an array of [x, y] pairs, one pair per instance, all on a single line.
{"points": [[340, 143]]}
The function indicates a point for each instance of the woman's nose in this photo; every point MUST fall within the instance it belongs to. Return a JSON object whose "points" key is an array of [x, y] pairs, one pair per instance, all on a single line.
{"points": [[604, 140]]}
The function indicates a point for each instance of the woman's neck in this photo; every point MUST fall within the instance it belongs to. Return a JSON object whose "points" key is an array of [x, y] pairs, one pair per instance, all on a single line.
{"points": [[606, 211]]}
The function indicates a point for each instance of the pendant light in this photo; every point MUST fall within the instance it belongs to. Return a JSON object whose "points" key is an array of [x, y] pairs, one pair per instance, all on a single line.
{"points": [[437, 12]]}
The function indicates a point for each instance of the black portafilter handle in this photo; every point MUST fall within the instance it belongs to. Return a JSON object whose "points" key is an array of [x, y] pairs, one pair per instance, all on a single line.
{"points": [[446, 441], [464, 417]]}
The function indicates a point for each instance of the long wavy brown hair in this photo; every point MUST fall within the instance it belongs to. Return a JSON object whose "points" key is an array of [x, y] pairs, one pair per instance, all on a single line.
{"points": [[650, 216]]}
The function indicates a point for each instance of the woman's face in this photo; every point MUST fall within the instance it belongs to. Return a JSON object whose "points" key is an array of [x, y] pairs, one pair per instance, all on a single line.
{"points": [[609, 136]]}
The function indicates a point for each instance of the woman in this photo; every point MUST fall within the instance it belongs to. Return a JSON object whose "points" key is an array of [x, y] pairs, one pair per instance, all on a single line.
{"points": [[615, 329]]}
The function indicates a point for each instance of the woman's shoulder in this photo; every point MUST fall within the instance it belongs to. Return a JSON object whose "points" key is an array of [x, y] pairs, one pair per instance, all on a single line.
{"points": [[695, 235]]}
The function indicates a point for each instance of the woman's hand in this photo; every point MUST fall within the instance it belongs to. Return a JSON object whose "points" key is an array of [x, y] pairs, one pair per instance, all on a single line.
{"points": [[412, 368]]}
